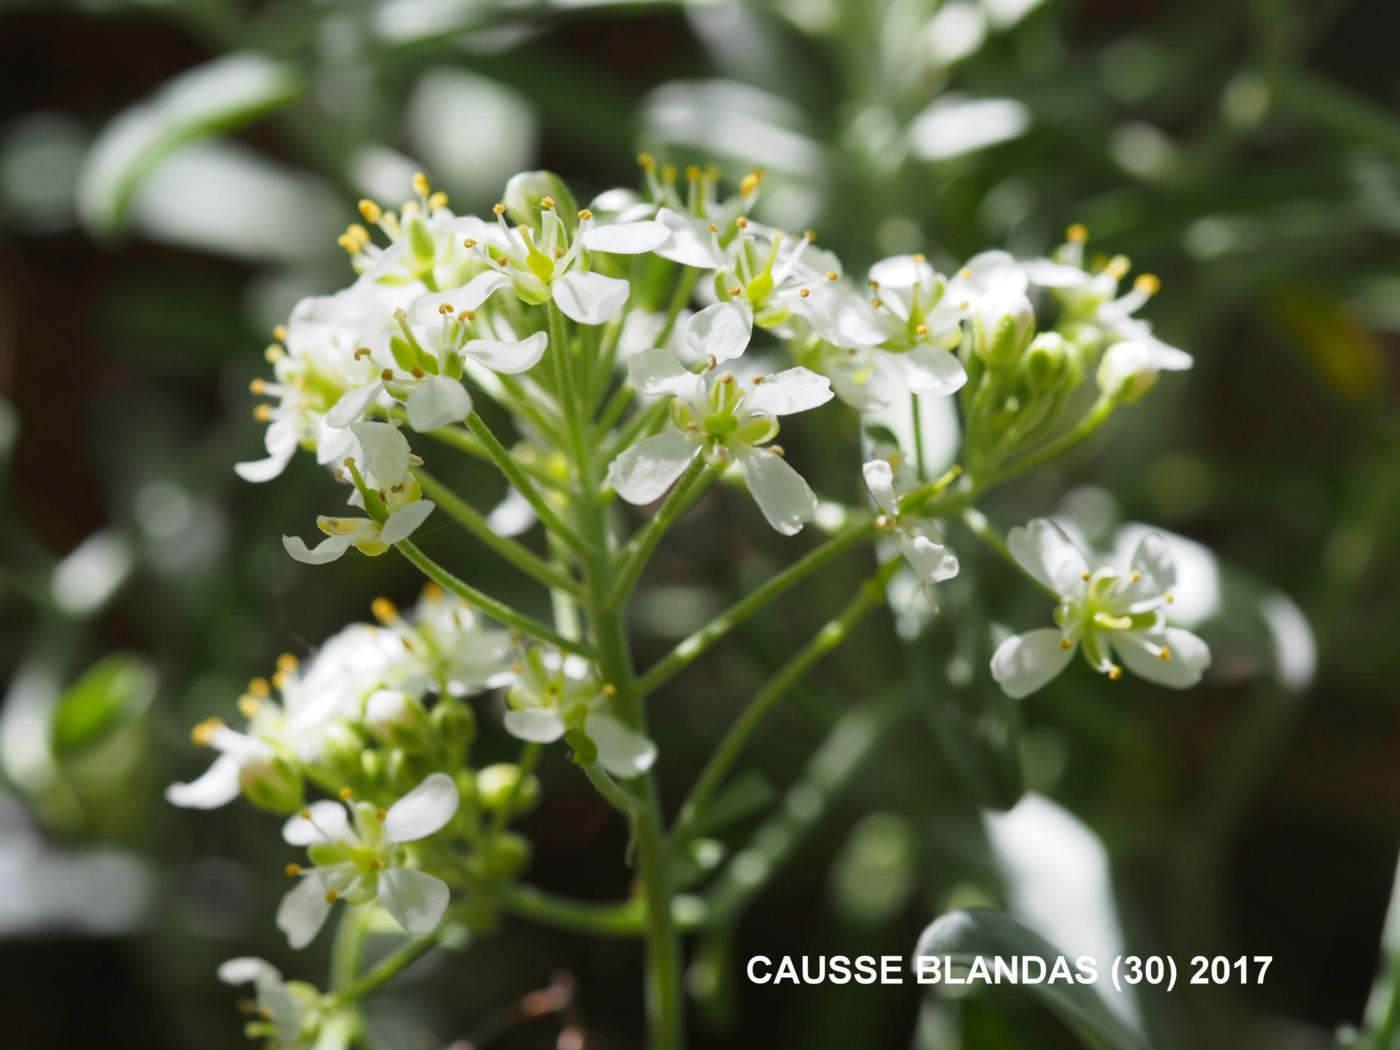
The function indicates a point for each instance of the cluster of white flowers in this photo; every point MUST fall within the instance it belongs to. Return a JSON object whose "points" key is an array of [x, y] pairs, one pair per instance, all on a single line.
{"points": [[667, 305]]}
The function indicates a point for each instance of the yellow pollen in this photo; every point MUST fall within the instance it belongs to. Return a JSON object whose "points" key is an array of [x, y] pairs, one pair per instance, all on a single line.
{"points": [[444, 308], [273, 354], [1148, 283], [387, 375], [371, 211], [1077, 233], [375, 864], [384, 610], [877, 302], [609, 690], [332, 896], [280, 333], [742, 222], [646, 161], [965, 274], [873, 283], [279, 679], [810, 235], [1066, 644], [1134, 576], [420, 184], [259, 687], [470, 242], [1165, 654], [248, 705], [292, 870], [733, 291], [832, 275], [1084, 576], [559, 252], [692, 172], [546, 203], [1118, 267], [713, 228], [921, 329], [805, 292], [1169, 597], [585, 214], [381, 814], [345, 794], [499, 209], [432, 592], [257, 386], [668, 173], [204, 731], [363, 351], [305, 814], [1114, 673], [437, 201], [749, 184]]}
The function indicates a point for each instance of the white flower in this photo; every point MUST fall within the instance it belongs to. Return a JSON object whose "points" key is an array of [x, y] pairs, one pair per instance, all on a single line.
{"points": [[1129, 369], [1107, 614], [358, 855], [385, 489], [919, 539], [716, 416], [987, 274], [552, 694], [288, 1011], [691, 217], [920, 323], [443, 646]]}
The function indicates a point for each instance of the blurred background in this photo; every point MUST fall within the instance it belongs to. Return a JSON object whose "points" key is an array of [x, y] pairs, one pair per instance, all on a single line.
{"points": [[173, 174]]}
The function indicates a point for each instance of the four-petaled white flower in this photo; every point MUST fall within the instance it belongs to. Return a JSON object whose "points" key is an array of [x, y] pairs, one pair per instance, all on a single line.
{"points": [[716, 416], [384, 488], [552, 694], [357, 855], [289, 1012], [919, 539], [1105, 613]]}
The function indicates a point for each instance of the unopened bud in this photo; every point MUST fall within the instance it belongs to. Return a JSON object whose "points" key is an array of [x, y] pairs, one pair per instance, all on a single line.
{"points": [[1126, 372], [272, 785], [498, 785], [396, 719], [1002, 326]]}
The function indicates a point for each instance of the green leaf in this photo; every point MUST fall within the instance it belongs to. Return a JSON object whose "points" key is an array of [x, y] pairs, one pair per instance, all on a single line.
{"points": [[963, 935], [113, 691], [218, 96]]}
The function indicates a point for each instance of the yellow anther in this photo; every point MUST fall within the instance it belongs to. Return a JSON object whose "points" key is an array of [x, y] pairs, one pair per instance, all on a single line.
{"points": [[1165, 654], [257, 386], [749, 183], [742, 222], [646, 161], [248, 705], [273, 353], [381, 814], [292, 870], [1134, 576], [777, 450], [516, 667], [1066, 644], [280, 333], [287, 662], [733, 291], [345, 794], [260, 688], [920, 257], [712, 228], [546, 203], [387, 375], [832, 275], [371, 211], [668, 173], [204, 731], [432, 592], [1114, 673], [1118, 267], [810, 235], [692, 172], [499, 209], [965, 273], [585, 214], [437, 201], [363, 351], [921, 329], [279, 679], [609, 690], [873, 284], [410, 208], [305, 813], [332, 896], [712, 172], [1077, 233], [444, 308], [1084, 576], [1169, 597], [417, 373], [262, 413], [470, 242], [805, 292], [384, 610], [375, 864], [420, 184], [1148, 283], [877, 302], [467, 315]]}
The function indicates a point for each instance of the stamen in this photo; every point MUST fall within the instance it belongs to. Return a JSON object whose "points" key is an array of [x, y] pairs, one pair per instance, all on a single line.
{"points": [[585, 214], [646, 161], [1169, 597], [384, 610], [375, 864], [804, 292], [1148, 284], [1077, 233], [420, 184], [280, 333], [381, 815], [292, 870], [609, 690], [257, 386], [1165, 654], [921, 329], [437, 201], [1134, 576], [387, 375], [546, 203], [832, 275], [259, 687], [1066, 644], [371, 211], [1084, 576], [248, 705], [1114, 673], [748, 185], [332, 896], [204, 731], [363, 351]]}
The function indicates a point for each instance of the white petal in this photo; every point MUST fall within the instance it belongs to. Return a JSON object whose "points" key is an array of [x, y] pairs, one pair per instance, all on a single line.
{"points": [[536, 727], [879, 479], [424, 810], [328, 823], [791, 390], [509, 357], [469, 297], [281, 444], [1044, 551], [590, 298], [303, 911], [690, 243], [333, 444], [646, 470], [931, 561], [217, 787], [353, 404], [513, 516], [436, 402], [415, 899], [385, 452], [623, 752], [1153, 559], [246, 970], [721, 332], [904, 271], [328, 550], [1182, 669], [930, 370], [1050, 274], [781, 493], [626, 238], [658, 371], [1025, 662], [401, 524]]}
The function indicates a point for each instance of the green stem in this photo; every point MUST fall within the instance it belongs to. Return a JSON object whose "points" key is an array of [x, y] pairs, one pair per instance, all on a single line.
{"points": [[684, 287], [699, 642], [492, 607], [349, 947], [684, 492], [456, 437], [386, 970], [524, 559], [507, 465], [607, 920], [566, 390], [1093, 419], [869, 597], [987, 533], [612, 792]]}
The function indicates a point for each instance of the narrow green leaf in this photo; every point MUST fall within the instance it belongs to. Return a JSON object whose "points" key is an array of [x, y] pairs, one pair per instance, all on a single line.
{"points": [[113, 691], [218, 96], [963, 935]]}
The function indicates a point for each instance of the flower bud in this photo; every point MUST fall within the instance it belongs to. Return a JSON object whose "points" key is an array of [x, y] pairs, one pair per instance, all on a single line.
{"points": [[525, 191], [453, 726], [272, 785], [1002, 325], [1046, 361], [396, 719], [509, 853], [498, 785], [1126, 372]]}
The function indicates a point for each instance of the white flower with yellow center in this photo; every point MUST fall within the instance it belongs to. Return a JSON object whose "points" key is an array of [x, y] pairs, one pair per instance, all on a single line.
{"points": [[288, 1014], [358, 855], [385, 489], [443, 646], [716, 416], [919, 539], [1110, 616]]}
